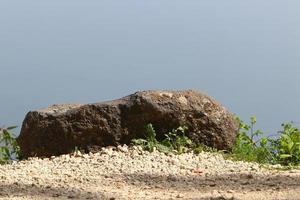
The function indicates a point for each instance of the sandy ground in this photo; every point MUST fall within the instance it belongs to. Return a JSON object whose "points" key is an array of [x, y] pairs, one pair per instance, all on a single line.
{"points": [[130, 173]]}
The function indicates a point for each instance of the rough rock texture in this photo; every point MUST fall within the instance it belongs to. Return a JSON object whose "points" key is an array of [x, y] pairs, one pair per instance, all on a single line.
{"points": [[58, 129]]}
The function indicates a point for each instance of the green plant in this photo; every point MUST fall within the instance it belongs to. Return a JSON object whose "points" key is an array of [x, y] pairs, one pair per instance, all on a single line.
{"points": [[76, 151], [250, 146], [150, 142], [203, 148], [9, 148], [174, 141], [289, 145]]}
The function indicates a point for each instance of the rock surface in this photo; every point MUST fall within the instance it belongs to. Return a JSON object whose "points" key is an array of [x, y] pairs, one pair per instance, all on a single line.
{"points": [[58, 129], [130, 173]]}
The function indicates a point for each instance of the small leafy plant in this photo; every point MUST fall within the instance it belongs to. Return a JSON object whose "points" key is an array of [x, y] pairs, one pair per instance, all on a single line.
{"points": [[9, 148], [150, 142], [198, 148], [174, 141], [289, 145], [251, 146]]}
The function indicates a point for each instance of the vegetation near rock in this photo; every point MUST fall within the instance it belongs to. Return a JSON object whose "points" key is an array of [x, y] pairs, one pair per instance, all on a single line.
{"points": [[9, 148], [160, 165], [252, 145], [60, 128]]}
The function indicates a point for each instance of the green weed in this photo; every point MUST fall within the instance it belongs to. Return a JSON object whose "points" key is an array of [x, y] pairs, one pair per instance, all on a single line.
{"points": [[174, 141], [252, 146], [203, 148], [9, 148], [288, 145]]}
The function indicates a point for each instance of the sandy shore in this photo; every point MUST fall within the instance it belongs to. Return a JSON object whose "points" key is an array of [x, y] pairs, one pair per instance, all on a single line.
{"points": [[130, 173]]}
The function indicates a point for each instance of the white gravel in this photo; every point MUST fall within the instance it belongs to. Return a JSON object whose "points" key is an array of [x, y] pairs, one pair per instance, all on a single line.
{"points": [[130, 173]]}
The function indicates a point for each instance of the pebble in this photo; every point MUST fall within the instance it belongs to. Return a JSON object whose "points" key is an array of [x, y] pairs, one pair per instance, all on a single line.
{"points": [[179, 196]]}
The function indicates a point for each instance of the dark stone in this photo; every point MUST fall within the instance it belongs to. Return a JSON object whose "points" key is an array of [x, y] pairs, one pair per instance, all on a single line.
{"points": [[59, 128]]}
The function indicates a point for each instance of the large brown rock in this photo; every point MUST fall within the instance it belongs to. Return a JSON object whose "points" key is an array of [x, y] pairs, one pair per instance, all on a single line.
{"points": [[59, 128]]}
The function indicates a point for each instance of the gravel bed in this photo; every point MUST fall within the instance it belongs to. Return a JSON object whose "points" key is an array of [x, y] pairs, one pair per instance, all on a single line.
{"points": [[131, 173]]}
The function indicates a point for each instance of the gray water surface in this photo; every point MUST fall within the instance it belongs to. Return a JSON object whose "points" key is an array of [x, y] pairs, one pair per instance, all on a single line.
{"points": [[246, 54]]}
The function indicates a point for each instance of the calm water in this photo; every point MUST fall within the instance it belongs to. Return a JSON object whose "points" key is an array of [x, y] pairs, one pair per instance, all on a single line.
{"points": [[246, 54]]}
